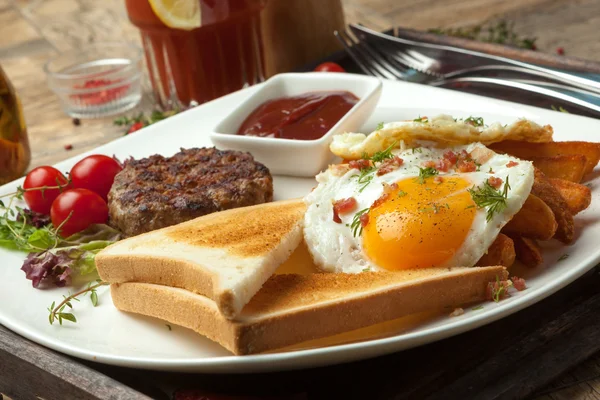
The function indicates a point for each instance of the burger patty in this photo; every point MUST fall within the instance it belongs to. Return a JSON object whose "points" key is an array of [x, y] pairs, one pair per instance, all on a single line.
{"points": [[155, 192]]}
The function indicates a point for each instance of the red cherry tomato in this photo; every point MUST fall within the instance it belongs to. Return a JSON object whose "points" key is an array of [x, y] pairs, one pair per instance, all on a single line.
{"points": [[82, 207], [96, 173], [135, 127], [41, 200], [329, 67]]}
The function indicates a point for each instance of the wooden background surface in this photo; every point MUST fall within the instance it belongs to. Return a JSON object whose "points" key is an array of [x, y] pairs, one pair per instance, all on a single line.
{"points": [[31, 31]]}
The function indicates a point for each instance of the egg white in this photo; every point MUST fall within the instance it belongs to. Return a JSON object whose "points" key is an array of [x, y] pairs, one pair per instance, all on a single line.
{"points": [[335, 249]]}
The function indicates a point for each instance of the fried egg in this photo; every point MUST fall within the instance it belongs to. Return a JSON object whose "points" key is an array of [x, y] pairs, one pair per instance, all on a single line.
{"points": [[400, 214], [440, 131]]}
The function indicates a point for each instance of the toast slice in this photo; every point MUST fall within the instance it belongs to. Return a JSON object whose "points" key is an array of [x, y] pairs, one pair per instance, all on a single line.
{"points": [[225, 256], [293, 308]]}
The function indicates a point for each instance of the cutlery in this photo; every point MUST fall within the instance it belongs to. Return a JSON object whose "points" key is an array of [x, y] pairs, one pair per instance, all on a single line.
{"points": [[448, 62], [381, 64]]}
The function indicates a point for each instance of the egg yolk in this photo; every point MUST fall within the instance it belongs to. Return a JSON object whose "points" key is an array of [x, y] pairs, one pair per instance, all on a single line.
{"points": [[419, 223]]}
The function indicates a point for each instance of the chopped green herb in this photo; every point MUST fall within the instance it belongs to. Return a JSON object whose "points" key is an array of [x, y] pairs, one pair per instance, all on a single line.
{"points": [[402, 193], [356, 225], [169, 327], [366, 174], [417, 150], [491, 171], [366, 269], [560, 108], [487, 196], [379, 126], [502, 32], [425, 173], [475, 121], [563, 257], [477, 308], [421, 119]]}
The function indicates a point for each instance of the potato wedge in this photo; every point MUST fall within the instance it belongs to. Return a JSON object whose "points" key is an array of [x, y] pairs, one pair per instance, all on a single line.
{"points": [[527, 251], [535, 220], [501, 252], [577, 196], [526, 150], [542, 188], [570, 167]]}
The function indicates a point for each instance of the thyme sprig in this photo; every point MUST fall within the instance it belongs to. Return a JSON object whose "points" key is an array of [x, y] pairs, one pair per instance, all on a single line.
{"points": [[488, 196], [59, 312]]}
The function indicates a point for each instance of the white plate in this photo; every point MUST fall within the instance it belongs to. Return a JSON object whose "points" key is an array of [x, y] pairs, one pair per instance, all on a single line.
{"points": [[106, 335]]}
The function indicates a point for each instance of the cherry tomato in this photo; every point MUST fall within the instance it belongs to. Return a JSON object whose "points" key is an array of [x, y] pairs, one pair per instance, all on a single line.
{"points": [[41, 200], [96, 173], [135, 127], [82, 207], [329, 67]]}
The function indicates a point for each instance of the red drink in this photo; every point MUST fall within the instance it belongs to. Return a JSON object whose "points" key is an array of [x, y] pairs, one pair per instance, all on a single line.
{"points": [[192, 66]]}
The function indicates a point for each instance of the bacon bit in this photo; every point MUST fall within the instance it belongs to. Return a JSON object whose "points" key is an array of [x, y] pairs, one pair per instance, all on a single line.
{"points": [[429, 164], [457, 311], [438, 179], [451, 156], [444, 165], [360, 164], [364, 219], [560, 51], [390, 165], [343, 206], [381, 199], [497, 291], [495, 182], [518, 283], [511, 164], [466, 166], [68, 147]]}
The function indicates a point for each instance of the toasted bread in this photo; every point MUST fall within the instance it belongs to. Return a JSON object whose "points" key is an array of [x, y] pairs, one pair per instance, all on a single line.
{"points": [[293, 308], [226, 256]]}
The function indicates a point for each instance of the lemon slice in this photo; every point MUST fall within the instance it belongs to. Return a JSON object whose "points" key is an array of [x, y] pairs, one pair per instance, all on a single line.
{"points": [[179, 14]]}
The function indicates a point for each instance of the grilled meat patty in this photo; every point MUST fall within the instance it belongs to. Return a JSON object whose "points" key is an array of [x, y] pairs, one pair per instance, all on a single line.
{"points": [[155, 192]]}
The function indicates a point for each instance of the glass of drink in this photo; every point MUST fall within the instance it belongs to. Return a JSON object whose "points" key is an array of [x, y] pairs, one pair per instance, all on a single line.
{"points": [[197, 50]]}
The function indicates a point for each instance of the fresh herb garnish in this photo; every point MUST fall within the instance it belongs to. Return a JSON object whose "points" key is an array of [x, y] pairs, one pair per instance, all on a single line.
{"points": [[169, 327], [499, 290], [379, 126], [402, 193], [477, 308], [490, 197], [475, 121], [421, 119], [560, 108], [417, 150], [563, 257], [141, 120], [366, 174], [59, 313], [356, 225], [425, 173], [503, 33]]}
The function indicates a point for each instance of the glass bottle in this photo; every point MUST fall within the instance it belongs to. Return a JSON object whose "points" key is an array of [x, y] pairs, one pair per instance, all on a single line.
{"points": [[14, 144]]}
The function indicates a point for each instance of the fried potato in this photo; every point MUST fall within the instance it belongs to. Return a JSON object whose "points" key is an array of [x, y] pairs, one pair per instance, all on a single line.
{"points": [[578, 197], [526, 150], [535, 220], [570, 167], [543, 189], [527, 251], [501, 252]]}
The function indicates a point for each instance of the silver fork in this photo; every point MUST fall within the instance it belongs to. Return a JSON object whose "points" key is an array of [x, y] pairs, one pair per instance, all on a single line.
{"points": [[449, 62], [372, 60]]}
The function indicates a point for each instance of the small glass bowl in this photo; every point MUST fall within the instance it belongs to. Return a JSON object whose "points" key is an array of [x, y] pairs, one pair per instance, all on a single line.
{"points": [[102, 80]]}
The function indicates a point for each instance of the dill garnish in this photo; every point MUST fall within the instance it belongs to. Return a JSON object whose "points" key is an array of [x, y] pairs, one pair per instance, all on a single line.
{"points": [[563, 257], [421, 119], [366, 174], [425, 173], [402, 193], [487, 196], [356, 225], [379, 126]]}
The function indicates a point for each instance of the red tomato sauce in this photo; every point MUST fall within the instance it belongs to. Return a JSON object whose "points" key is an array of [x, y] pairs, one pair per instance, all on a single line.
{"points": [[305, 117]]}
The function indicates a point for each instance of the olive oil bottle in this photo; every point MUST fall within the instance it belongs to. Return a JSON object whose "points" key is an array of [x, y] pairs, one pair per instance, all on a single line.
{"points": [[14, 144]]}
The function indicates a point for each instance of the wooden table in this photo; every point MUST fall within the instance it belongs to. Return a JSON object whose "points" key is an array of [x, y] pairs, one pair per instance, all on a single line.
{"points": [[31, 31]]}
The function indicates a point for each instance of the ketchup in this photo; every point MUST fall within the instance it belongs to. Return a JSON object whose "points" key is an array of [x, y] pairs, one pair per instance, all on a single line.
{"points": [[308, 116]]}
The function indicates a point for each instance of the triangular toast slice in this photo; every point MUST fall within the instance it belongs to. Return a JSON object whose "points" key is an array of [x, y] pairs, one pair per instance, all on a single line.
{"points": [[225, 256], [294, 308]]}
